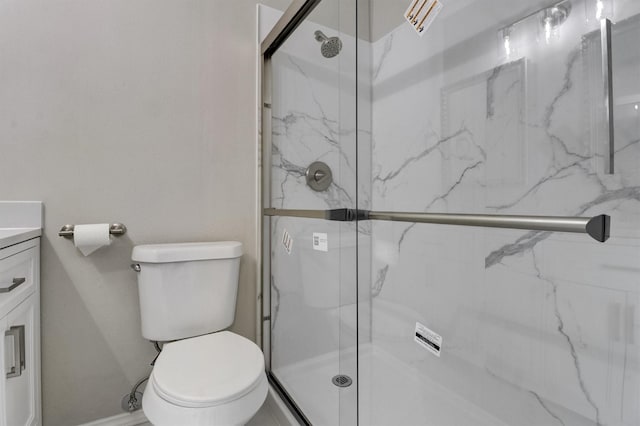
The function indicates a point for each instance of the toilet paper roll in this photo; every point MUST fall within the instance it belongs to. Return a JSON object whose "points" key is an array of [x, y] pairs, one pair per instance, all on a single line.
{"points": [[89, 238]]}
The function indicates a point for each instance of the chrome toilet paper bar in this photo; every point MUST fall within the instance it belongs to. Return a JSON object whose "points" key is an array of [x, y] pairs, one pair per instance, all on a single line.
{"points": [[114, 229]]}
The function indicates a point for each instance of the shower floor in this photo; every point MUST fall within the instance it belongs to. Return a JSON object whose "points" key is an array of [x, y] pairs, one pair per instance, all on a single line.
{"points": [[390, 394]]}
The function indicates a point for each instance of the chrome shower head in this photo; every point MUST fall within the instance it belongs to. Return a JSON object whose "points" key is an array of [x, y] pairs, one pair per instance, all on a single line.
{"points": [[331, 46]]}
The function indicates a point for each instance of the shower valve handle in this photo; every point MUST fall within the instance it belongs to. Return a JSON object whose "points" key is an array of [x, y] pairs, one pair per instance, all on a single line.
{"points": [[319, 176]]}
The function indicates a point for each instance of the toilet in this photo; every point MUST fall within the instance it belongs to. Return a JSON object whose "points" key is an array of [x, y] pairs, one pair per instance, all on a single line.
{"points": [[204, 374]]}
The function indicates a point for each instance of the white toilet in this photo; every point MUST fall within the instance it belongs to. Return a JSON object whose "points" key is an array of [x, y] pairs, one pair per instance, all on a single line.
{"points": [[204, 376]]}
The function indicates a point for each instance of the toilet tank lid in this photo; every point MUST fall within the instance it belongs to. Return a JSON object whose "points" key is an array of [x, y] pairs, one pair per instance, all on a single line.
{"points": [[185, 252]]}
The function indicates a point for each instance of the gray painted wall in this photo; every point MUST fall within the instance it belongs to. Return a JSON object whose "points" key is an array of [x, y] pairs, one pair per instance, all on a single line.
{"points": [[140, 111]]}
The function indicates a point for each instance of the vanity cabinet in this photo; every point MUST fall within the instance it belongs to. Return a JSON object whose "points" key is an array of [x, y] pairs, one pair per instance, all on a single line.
{"points": [[20, 401]]}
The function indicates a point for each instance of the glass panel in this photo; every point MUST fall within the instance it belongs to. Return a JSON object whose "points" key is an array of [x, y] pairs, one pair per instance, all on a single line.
{"points": [[312, 311], [313, 262], [498, 108], [313, 112]]}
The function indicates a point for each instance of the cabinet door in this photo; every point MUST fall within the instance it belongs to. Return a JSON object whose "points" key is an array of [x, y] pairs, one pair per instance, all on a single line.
{"points": [[21, 365], [4, 361]]}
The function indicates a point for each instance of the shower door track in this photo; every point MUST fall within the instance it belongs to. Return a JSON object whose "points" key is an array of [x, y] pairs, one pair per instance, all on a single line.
{"points": [[597, 227], [288, 401]]}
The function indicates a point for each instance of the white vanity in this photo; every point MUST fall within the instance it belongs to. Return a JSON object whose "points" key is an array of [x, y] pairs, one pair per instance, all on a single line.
{"points": [[20, 231]]}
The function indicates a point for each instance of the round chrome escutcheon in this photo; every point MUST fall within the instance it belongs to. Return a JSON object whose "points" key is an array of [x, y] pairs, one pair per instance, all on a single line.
{"points": [[319, 176]]}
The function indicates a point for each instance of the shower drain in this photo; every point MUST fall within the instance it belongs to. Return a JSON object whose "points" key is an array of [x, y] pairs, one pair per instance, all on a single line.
{"points": [[342, 381]]}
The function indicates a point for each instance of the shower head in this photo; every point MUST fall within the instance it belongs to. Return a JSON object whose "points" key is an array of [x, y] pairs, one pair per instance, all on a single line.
{"points": [[331, 46]]}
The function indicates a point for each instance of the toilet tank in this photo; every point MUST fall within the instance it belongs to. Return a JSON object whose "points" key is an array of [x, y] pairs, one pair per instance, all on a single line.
{"points": [[187, 289]]}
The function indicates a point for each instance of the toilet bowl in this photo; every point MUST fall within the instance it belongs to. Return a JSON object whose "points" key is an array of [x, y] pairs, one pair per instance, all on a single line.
{"points": [[203, 375], [216, 379]]}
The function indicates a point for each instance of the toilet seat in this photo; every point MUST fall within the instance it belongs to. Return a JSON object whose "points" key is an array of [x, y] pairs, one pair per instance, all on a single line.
{"points": [[217, 378], [207, 370]]}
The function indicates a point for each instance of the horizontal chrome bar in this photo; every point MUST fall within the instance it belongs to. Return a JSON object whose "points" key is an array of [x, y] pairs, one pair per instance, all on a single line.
{"points": [[597, 227]]}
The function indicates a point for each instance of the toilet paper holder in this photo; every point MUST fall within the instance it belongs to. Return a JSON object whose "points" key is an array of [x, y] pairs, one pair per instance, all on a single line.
{"points": [[114, 229]]}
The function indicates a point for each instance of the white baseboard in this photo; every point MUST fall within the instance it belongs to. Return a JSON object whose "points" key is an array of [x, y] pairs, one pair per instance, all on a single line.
{"points": [[125, 419], [279, 410]]}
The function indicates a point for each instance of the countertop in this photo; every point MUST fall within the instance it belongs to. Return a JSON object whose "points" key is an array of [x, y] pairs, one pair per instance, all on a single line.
{"points": [[11, 236]]}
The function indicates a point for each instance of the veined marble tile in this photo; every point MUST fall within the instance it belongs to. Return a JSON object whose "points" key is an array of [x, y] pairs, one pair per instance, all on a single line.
{"points": [[532, 322]]}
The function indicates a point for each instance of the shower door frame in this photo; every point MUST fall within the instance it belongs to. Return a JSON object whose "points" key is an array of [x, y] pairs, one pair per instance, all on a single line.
{"points": [[286, 25], [597, 227]]}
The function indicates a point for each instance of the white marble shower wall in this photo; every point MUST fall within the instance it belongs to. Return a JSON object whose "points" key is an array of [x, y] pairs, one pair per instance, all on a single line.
{"points": [[538, 328], [310, 123]]}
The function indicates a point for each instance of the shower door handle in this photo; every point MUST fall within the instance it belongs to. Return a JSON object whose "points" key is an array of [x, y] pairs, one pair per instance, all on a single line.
{"points": [[607, 74], [597, 227]]}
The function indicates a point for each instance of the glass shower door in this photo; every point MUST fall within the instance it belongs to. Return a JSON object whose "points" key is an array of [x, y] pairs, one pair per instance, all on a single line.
{"points": [[311, 162], [504, 108]]}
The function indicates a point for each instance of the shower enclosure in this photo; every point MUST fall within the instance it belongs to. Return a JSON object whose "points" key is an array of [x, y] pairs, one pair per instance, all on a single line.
{"points": [[451, 211]]}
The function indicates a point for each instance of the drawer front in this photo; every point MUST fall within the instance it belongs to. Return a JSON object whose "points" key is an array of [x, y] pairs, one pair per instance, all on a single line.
{"points": [[18, 275]]}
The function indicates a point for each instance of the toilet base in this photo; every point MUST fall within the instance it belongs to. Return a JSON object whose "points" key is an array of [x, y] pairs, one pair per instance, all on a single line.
{"points": [[234, 413]]}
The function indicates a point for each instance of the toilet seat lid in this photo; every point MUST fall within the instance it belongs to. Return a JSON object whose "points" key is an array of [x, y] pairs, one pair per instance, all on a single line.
{"points": [[208, 370]]}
